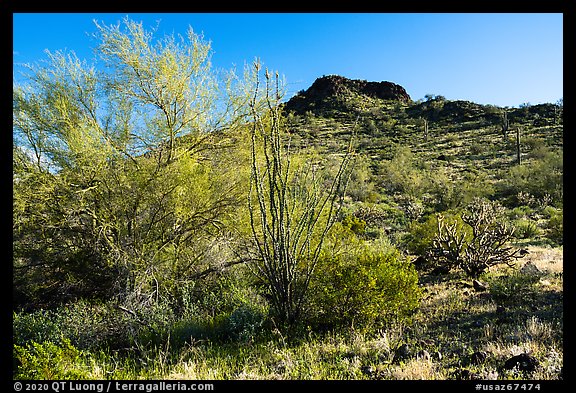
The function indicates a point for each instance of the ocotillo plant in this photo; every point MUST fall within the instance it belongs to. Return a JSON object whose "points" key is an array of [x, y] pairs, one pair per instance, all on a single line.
{"points": [[292, 207]]}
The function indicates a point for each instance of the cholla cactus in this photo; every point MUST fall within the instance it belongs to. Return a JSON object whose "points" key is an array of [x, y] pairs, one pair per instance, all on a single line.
{"points": [[483, 247], [448, 245]]}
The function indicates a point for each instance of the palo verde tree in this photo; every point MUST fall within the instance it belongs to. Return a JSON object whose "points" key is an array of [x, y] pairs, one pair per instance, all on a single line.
{"points": [[120, 184], [292, 203]]}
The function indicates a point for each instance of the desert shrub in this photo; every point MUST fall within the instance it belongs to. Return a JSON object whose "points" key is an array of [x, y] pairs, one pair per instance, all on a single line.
{"points": [[48, 360], [447, 193], [36, 326], [85, 325], [362, 286], [373, 215], [539, 152], [392, 215], [512, 288], [400, 129], [421, 233], [412, 207], [473, 185], [555, 224], [520, 212], [453, 137], [231, 310], [542, 178], [360, 186], [535, 145], [476, 148], [370, 127], [356, 225], [402, 174], [245, 323], [370, 220], [526, 229], [443, 191], [387, 123]]}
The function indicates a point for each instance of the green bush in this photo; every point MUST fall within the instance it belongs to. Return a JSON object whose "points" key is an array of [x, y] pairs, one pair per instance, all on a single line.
{"points": [[520, 212], [526, 229], [476, 148], [39, 326], [402, 174], [512, 288], [230, 309], [355, 224], [473, 185], [245, 323], [555, 224], [443, 191], [360, 186], [48, 360], [86, 325], [362, 286], [421, 234], [540, 178]]}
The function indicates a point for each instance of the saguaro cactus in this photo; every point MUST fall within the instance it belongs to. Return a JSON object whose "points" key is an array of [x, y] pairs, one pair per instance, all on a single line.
{"points": [[505, 124], [518, 158]]}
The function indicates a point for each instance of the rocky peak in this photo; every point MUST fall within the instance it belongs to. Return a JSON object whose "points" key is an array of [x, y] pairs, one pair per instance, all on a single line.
{"points": [[337, 85], [327, 90]]}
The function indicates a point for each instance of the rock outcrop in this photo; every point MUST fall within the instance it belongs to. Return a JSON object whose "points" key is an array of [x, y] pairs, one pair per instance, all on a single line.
{"points": [[328, 91]]}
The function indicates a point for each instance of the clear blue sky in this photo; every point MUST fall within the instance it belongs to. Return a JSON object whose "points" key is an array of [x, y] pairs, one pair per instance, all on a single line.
{"points": [[502, 59]]}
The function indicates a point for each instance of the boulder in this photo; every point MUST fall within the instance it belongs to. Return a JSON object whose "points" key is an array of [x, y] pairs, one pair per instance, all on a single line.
{"points": [[479, 286], [530, 269], [402, 353], [523, 362], [478, 357]]}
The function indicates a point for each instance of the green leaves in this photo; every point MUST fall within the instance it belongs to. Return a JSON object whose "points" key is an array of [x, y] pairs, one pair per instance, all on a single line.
{"points": [[118, 184], [362, 285]]}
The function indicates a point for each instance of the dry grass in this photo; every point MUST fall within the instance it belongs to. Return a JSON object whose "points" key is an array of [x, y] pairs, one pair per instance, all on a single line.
{"points": [[550, 260], [417, 369], [453, 322]]}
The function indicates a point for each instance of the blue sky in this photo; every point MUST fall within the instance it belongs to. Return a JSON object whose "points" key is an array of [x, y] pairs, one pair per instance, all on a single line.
{"points": [[502, 59]]}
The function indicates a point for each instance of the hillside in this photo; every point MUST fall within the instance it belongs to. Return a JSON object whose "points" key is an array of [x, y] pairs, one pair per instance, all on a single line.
{"points": [[460, 139], [156, 278]]}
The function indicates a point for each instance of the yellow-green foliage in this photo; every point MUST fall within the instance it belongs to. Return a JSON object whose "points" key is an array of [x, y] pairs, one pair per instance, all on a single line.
{"points": [[360, 284], [421, 234], [538, 177], [131, 171], [555, 224], [401, 173], [48, 360]]}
